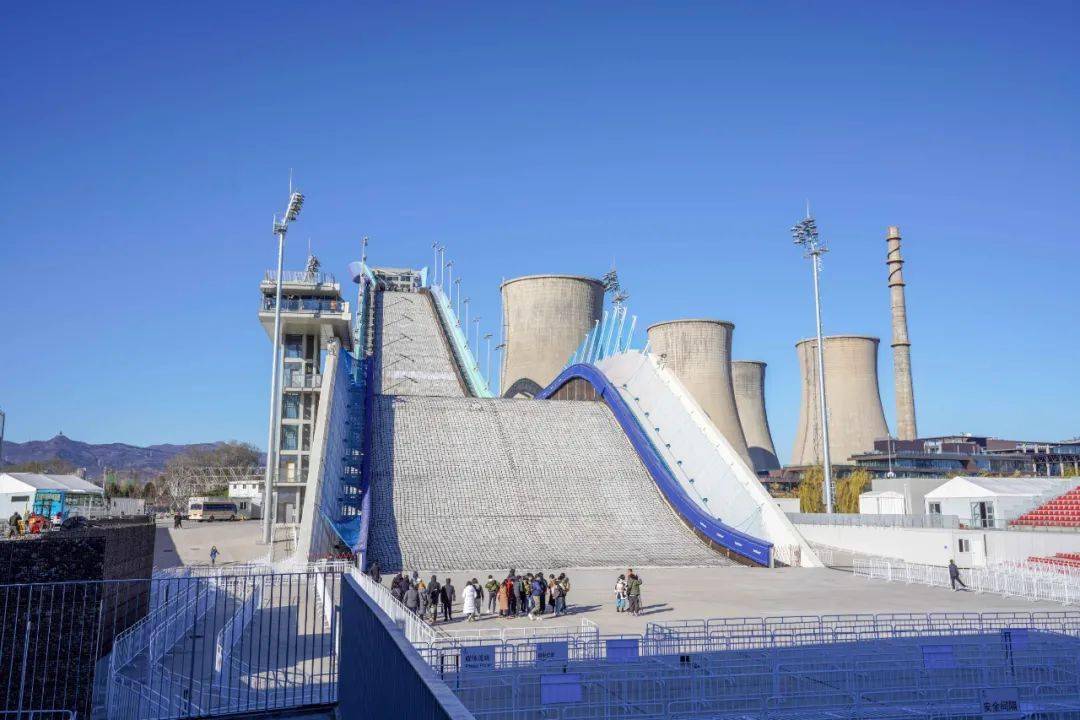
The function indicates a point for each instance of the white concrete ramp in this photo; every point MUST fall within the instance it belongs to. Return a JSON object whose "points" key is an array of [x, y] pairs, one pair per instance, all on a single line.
{"points": [[461, 483]]}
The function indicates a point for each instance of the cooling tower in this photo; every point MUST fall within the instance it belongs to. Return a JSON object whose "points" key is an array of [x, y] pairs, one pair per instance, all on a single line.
{"points": [[748, 378], [901, 345], [545, 319], [856, 418], [698, 352]]}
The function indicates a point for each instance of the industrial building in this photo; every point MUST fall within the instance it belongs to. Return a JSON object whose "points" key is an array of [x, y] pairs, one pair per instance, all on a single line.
{"points": [[969, 454]]}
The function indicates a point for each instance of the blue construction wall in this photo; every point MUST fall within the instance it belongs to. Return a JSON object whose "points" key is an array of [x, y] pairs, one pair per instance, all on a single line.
{"points": [[381, 676], [749, 548]]}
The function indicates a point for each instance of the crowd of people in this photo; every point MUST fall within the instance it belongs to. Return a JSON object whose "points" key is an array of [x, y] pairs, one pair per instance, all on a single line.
{"points": [[530, 595]]}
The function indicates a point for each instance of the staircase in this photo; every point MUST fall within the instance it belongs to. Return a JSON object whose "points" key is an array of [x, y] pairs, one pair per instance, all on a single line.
{"points": [[479, 484], [1062, 511]]}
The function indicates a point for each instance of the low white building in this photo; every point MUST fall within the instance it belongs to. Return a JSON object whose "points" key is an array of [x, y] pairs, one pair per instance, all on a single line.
{"points": [[248, 491], [982, 502], [913, 490], [49, 494], [888, 502]]}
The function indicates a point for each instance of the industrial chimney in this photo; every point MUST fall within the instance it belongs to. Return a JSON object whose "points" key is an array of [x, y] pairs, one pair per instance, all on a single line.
{"points": [[698, 353], [905, 394], [748, 377], [856, 418]]}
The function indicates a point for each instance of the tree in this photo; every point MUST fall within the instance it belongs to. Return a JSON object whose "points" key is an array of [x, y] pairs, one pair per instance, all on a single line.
{"points": [[150, 492], [848, 489], [200, 471], [810, 498], [52, 466]]}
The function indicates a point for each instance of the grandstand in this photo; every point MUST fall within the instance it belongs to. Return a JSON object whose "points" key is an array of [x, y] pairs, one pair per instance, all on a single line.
{"points": [[1060, 512]]}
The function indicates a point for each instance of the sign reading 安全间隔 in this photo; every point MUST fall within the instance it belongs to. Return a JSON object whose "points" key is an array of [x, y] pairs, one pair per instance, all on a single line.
{"points": [[1000, 703]]}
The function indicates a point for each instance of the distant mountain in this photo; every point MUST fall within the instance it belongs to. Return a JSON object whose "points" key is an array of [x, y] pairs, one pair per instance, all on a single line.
{"points": [[145, 462]]}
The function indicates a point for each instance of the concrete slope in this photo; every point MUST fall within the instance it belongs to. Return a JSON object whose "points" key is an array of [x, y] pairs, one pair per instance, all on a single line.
{"points": [[481, 483], [412, 355]]}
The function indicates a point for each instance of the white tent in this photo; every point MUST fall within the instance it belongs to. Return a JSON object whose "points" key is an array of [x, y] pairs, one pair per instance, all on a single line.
{"points": [[992, 502], [18, 491]]}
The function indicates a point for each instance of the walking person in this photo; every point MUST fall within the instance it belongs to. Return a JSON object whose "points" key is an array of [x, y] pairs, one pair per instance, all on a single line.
{"points": [[469, 606], [620, 594], [492, 588], [633, 593], [538, 591], [502, 598], [511, 597], [447, 597], [213, 555], [412, 599], [523, 584], [954, 575], [375, 572], [178, 520], [397, 586], [422, 593], [543, 592], [556, 597], [434, 593]]}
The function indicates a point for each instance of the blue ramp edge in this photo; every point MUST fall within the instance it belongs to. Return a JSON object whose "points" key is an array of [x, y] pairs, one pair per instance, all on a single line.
{"points": [[746, 546]]}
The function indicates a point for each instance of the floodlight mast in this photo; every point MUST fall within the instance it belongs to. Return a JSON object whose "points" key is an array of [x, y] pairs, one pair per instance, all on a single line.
{"points": [[292, 211], [805, 234]]}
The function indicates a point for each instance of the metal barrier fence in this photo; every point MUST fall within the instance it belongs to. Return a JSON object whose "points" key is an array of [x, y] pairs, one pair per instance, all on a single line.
{"points": [[171, 647], [1023, 580], [245, 643], [910, 677], [52, 637]]}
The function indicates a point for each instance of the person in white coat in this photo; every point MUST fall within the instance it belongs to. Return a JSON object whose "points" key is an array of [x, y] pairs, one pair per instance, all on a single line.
{"points": [[469, 596]]}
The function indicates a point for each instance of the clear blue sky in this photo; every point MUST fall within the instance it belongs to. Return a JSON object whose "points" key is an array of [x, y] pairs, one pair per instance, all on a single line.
{"points": [[148, 144]]}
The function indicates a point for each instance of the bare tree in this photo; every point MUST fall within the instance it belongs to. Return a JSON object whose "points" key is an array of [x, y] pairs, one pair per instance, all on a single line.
{"points": [[198, 472]]}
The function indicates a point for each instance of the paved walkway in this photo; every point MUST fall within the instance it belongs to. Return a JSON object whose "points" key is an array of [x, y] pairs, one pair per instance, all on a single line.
{"points": [[237, 541], [688, 593]]}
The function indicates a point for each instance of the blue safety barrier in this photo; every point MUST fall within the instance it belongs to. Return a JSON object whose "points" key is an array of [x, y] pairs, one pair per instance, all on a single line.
{"points": [[746, 546]]}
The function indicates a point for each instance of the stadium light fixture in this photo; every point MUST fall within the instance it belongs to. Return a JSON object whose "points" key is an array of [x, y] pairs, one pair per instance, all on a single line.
{"points": [[805, 234], [292, 212]]}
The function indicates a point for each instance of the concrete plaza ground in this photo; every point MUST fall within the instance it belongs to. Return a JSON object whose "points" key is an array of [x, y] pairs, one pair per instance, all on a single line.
{"points": [[237, 542], [667, 593], [688, 593]]}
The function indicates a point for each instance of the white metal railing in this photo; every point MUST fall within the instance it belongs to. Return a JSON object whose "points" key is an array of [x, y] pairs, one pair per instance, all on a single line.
{"points": [[951, 522], [301, 380], [416, 630], [1023, 580], [300, 276]]}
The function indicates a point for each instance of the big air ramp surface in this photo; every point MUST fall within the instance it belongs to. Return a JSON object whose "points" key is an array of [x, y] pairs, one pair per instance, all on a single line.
{"points": [[463, 483], [481, 483]]}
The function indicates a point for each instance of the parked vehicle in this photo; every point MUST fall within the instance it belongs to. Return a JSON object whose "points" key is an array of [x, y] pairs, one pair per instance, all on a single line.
{"points": [[215, 508]]}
